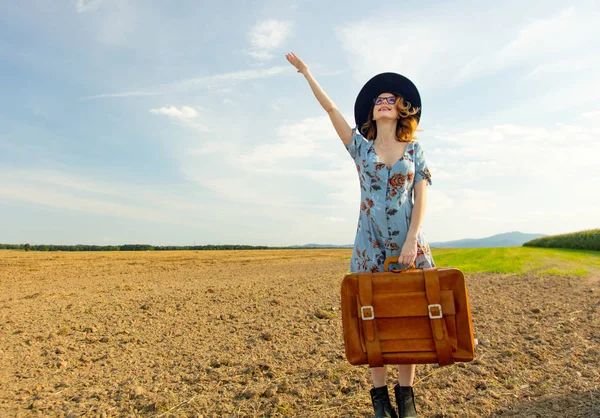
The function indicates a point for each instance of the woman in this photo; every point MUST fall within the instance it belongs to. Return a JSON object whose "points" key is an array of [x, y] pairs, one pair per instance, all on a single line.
{"points": [[391, 167]]}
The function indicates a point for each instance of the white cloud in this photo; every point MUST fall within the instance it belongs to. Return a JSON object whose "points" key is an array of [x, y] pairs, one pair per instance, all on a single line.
{"points": [[56, 179], [185, 115], [543, 36], [270, 34], [335, 219], [185, 112], [278, 174], [510, 153], [592, 115], [55, 198], [260, 55], [437, 200], [135, 93], [408, 56], [483, 42], [230, 78], [266, 36], [174, 204], [117, 24], [308, 152], [305, 139], [84, 6], [538, 41], [567, 66]]}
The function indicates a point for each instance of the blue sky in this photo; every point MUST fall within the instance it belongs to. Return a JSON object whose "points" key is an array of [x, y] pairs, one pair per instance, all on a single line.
{"points": [[181, 122]]}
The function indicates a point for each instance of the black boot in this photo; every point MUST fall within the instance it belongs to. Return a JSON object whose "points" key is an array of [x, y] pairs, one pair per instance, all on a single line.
{"points": [[381, 403], [405, 398]]}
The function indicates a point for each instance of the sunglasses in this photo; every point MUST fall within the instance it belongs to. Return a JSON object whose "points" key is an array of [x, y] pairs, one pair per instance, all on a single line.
{"points": [[389, 100]]}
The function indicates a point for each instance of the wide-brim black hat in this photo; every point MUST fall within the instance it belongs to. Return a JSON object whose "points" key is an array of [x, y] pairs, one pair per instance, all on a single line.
{"points": [[382, 83]]}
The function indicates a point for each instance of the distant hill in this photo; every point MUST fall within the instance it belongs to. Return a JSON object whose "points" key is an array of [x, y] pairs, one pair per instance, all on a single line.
{"points": [[508, 239]]}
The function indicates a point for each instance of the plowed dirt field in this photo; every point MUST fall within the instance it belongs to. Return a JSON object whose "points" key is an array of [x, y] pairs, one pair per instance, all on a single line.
{"points": [[259, 333]]}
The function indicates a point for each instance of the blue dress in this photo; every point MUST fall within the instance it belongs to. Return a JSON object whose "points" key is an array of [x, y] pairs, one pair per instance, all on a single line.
{"points": [[386, 204]]}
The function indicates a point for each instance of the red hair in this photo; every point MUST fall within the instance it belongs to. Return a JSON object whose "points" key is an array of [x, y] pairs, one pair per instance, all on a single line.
{"points": [[406, 126]]}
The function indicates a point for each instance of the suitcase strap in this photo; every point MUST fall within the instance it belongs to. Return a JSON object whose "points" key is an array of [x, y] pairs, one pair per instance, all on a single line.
{"points": [[367, 316], [438, 325]]}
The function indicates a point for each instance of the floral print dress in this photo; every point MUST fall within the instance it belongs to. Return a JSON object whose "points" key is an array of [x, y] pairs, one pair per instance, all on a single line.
{"points": [[386, 204]]}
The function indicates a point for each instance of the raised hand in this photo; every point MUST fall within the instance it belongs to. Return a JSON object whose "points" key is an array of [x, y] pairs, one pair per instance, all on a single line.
{"points": [[297, 62], [339, 123]]}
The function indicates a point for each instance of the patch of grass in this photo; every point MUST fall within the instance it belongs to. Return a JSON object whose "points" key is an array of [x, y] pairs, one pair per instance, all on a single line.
{"points": [[285, 409], [519, 260], [64, 331], [557, 272]]}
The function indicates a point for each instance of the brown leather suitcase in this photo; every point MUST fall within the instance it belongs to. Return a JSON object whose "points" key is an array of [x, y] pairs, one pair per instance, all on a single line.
{"points": [[407, 317]]}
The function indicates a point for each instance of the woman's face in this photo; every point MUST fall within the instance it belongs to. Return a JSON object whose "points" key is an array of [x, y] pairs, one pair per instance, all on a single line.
{"points": [[383, 109]]}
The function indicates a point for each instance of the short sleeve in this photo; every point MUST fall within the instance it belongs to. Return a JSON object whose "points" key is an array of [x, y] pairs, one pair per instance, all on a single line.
{"points": [[355, 146], [421, 169]]}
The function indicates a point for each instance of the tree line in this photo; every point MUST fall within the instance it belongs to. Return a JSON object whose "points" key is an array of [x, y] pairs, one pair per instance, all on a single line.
{"points": [[130, 247]]}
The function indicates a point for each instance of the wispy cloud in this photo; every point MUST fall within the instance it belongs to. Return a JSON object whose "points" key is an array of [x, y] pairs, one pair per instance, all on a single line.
{"points": [[302, 153], [335, 219], [309, 152], [308, 138], [449, 42], [231, 78], [260, 55], [186, 115], [501, 176], [58, 199], [567, 66], [56, 179], [592, 115], [511, 153], [540, 41], [207, 82], [72, 191], [266, 36], [123, 94], [84, 6]]}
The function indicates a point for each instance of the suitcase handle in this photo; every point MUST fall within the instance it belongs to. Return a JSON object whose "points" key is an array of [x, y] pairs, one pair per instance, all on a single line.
{"points": [[394, 259]]}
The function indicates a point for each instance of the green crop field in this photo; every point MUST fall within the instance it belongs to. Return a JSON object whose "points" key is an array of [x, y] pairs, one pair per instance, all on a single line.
{"points": [[519, 260], [582, 240]]}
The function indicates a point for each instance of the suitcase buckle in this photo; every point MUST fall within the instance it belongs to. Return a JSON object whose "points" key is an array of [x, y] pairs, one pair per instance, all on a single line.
{"points": [[371, 316], [435, 306]]}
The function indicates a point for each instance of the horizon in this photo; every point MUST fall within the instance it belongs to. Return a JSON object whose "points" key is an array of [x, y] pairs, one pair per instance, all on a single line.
{"points": [[146, 122], [250, 245]]}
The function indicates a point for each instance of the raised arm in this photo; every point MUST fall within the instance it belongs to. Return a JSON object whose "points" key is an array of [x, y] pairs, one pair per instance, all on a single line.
{"points": [[342, 128]]}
